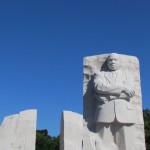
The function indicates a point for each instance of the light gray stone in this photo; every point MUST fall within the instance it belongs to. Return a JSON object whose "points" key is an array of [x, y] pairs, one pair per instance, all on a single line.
{"points": [[113, 104], [112, 107], [71, 131], [18, 132]]}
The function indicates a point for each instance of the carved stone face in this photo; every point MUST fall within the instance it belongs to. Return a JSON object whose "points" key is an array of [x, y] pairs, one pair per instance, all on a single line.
{"points": [[113, 62]]}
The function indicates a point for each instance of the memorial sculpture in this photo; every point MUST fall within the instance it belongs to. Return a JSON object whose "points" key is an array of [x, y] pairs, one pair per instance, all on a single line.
{"points": [[114, 114], [18, 132], [112, 107]]}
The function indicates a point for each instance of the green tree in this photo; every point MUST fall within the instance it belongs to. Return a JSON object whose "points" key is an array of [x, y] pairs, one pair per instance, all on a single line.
{"points": [[46, 142], [146, 115]]}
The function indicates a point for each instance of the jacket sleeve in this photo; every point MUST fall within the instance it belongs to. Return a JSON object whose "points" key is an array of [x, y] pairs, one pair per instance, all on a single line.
{"points": [[102, 87]]}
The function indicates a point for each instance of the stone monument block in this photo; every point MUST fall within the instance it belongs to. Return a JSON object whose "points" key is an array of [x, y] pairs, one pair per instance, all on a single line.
{"points": [[114, 102], [71, 131], [18, 132], [112, 107]]}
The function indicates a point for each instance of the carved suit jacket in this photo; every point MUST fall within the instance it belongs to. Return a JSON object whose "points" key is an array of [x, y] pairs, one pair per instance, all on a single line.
{"points": [[111, 106]]}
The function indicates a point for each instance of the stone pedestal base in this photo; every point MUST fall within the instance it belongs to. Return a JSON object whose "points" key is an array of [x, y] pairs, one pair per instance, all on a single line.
{"points": [[75, 135]]}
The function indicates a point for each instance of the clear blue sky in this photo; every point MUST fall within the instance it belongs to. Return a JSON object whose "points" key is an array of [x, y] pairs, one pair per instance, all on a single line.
{"points": [[43, 42]]}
